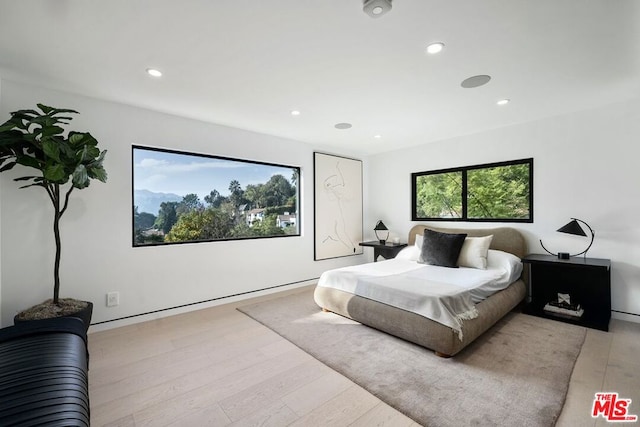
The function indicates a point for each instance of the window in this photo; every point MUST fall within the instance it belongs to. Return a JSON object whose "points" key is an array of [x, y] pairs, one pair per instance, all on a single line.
{"points": [[183, 197], [499, 192]]}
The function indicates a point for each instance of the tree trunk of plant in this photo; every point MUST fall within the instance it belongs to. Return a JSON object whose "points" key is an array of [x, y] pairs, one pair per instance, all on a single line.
{"points": [[56, 235]]}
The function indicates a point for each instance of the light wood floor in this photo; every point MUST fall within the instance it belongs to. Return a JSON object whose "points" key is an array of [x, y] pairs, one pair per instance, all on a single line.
{"points": [[218, 367]]}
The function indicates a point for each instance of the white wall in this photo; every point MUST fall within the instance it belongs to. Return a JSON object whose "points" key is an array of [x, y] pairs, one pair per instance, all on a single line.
{"points": [[585, 166], [96, 230]]}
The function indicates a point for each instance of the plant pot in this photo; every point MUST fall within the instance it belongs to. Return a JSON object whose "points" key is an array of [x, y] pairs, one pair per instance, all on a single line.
{"points": [[83, 314]]}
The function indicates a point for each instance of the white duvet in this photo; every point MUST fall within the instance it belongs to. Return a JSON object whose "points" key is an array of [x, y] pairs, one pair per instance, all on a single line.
{"points": [[445, 295]]}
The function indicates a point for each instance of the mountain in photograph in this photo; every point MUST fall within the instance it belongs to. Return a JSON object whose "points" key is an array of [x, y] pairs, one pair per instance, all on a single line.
{"points": [[148, 201]]}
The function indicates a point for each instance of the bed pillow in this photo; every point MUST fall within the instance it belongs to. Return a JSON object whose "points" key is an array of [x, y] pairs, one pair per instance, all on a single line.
{"points": [[510, 263], [418, 243], [474, 252], [410, 253], [441, 249]]}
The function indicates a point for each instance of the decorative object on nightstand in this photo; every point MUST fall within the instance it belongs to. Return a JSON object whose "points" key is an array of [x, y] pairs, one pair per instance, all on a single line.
{"points": [[575, 290], [387, 250], [381, 227], [573, 228]]}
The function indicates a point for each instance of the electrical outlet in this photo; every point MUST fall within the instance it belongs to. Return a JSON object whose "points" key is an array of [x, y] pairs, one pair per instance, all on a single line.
{"points": [[113, 299]]}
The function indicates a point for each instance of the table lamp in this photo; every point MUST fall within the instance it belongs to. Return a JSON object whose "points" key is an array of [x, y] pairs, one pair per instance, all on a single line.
{"points": [[381, 227], [573, 227]]}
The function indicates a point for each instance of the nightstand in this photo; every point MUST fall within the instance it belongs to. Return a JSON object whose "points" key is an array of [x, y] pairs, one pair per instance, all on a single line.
{"points": [[587, 281], [388, 250]]}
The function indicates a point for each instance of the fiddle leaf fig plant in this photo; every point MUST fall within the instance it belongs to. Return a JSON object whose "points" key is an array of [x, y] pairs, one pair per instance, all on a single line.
{"points": [[61, 164]]}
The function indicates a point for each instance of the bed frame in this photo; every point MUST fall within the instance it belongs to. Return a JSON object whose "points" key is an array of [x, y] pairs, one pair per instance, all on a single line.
{"points": [[420, 330]]}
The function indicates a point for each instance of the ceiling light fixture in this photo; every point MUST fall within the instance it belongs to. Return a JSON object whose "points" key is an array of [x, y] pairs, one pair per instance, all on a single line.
{"points": [[503, 101], [376, 8], [153, 72], [475, 81], [435, 47], [377, 136], [342, 126], [295, 112]]}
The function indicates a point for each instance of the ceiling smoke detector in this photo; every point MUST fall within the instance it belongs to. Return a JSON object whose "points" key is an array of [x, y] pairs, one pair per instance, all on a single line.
{"points": [[376, 8]]}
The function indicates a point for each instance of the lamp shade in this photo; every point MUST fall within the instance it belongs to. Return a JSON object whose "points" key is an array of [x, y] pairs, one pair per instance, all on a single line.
{"points": [[572, 228], [380, 226]]}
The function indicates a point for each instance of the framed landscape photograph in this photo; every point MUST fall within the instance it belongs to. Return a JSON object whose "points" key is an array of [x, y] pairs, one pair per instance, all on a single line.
{"points": [[181, 197], [338, 206]]}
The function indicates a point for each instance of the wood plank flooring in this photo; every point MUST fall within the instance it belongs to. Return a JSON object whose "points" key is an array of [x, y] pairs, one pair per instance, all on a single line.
{"points": [[218, 367]]}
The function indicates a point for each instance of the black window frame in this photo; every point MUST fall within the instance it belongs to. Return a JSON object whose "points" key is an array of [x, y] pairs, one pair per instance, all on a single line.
{"points": [[463, 170], [298, 169]]}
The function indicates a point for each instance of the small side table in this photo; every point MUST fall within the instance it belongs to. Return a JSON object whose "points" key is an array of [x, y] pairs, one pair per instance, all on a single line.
{"points": [[388, 250], [586, 280]]}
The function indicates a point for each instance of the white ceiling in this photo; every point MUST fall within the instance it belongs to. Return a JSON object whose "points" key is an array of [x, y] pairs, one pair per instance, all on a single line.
{"points": [[248, 63]]}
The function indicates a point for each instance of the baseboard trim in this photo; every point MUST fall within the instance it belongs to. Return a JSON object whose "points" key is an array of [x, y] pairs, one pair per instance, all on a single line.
{"points": [[184, 308], [623, 315]]}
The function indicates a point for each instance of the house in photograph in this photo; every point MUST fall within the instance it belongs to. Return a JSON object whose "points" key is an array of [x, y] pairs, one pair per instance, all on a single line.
{"points": [[254, 215], [286, 220]]}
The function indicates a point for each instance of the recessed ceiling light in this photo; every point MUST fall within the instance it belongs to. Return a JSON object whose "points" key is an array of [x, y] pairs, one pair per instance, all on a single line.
{"points": [[435, 47], [343, 126], [475, 81], [503, 101], [295, 112], [376, 8], [153, 72], [377, 136]]}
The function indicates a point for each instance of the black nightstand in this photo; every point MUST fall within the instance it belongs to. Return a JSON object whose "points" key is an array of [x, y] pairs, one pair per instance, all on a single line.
{"points": [[586, 280], [388, 250]]}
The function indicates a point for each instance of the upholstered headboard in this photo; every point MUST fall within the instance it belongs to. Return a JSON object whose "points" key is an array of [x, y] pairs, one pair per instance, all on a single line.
{"points": [[505, 239]]}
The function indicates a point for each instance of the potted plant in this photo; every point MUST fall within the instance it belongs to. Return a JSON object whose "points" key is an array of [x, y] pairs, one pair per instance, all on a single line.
{"points": [[36, 139]]}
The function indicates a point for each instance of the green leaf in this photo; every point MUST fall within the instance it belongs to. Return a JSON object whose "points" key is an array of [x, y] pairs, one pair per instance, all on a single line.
{"points": [[80, 177], [76, 138], [50, 110], [28, 161], [97, 172], [33, 185], [52, 130], [8, 166], [45, 109], [51, 149], [55, 173]]}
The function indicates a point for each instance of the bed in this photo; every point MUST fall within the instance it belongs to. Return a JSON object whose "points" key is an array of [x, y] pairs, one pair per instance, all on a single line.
{"points": [[445, 340]]}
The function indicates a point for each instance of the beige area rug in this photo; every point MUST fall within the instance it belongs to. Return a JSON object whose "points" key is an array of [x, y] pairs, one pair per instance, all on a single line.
{"points": [[516, 374]]}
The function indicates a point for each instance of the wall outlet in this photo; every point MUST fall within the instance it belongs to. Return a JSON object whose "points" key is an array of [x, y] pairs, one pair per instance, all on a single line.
{"points": [[113, 299]]}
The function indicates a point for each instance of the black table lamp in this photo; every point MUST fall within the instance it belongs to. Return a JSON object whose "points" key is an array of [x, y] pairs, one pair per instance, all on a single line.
{"points": [[381, 227], [573, 228]]}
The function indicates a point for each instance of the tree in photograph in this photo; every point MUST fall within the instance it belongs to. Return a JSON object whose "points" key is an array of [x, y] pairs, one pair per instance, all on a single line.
{"points": [[208, 224], [255, 195], [267, 227], [142, 220], [236, 194], [214, 199], [498, 192], [439, 195], [189, 203], [167, 216], [278, 190]]}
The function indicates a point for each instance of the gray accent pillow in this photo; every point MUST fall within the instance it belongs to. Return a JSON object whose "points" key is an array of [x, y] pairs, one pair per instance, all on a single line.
{"points": [[441, 249]]}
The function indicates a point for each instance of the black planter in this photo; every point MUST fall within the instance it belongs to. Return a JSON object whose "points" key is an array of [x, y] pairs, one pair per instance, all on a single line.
{"points": [[83, 314]]}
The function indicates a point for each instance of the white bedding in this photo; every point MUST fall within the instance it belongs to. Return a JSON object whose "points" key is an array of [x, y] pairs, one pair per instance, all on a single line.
{"points": [[445, 295]]}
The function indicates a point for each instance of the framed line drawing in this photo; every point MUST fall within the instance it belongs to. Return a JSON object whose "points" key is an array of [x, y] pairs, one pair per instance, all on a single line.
{"points": [[338, 206]]}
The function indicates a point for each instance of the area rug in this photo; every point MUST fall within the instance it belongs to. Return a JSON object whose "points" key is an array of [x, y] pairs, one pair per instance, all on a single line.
{"points": [[516, 374]]}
